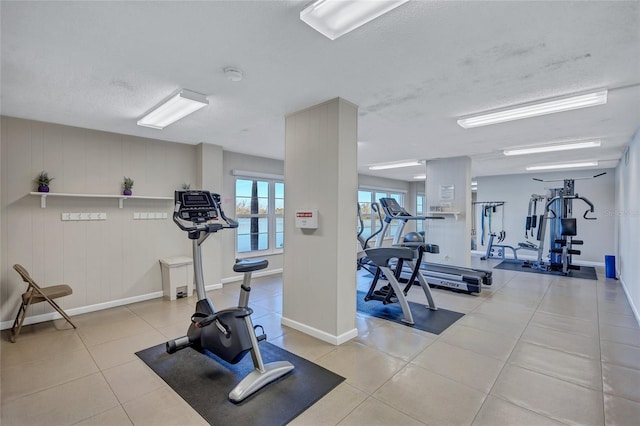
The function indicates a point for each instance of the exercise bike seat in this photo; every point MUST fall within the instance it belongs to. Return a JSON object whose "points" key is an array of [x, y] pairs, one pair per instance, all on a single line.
{"points": [[250, 265]]}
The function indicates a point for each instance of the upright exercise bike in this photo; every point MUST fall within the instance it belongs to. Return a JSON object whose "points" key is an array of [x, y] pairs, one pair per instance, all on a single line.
{"points": [[229, 333]]}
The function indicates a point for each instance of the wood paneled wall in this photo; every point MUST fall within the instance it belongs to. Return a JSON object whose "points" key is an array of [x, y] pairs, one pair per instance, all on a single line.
{"points": [[102, 260]]}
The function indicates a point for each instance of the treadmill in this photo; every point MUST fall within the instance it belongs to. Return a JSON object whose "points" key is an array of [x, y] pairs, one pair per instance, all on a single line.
{"points": [[459, 278]]}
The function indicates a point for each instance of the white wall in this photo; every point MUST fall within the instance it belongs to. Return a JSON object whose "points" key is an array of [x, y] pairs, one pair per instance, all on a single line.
{"points": [[116, 259], [407, 188], [102, 260], [627, 214], [516, 190], [452, 235], [319, 282], [367, 182]]}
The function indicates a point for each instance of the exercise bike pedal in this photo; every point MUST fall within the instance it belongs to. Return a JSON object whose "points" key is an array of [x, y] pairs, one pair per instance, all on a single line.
{"points": [[260, 337]]}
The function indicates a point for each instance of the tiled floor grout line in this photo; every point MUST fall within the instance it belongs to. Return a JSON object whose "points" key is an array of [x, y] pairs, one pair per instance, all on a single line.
{"points": [[510, 353], [555, 283], [107, 381], [599, 341]]}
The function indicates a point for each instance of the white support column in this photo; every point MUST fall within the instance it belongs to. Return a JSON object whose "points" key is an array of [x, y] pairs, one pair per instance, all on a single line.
{"points": [[448, 186], [210, 177], [320, 265]]}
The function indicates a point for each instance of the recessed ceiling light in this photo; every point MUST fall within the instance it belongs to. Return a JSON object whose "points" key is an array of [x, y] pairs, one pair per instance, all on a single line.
{"points": [[552, 148], [334, 18], [563, 166], [536, 109], [420, 177], [395, 165]]}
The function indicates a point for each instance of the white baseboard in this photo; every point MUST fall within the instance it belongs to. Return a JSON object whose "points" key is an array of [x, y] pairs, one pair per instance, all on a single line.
{"points": [[210, 287], [319, 334], [255, 275], [121, 302], [634, 308], [84, 309]]}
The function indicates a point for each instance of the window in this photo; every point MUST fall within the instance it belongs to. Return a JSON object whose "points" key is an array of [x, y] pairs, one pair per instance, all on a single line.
{"points": [[369, 218], [420, 212], [260, 215]]}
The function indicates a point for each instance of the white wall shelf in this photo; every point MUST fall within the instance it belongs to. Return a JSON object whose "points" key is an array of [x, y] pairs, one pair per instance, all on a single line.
{"points": [[454, 213], [120, 198]]}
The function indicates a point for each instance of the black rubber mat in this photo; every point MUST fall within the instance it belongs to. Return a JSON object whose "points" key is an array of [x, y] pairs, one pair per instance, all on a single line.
{"points": [[425, 319], [585, 272], [204, 382]]}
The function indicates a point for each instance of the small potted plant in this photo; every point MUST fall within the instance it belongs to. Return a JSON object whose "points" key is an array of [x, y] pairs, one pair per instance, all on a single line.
{"points": [[127, 184], [43, 180]]}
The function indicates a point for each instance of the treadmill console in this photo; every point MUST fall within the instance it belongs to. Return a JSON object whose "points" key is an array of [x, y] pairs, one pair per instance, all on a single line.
{"points": [[197, 206], [392, 208]]}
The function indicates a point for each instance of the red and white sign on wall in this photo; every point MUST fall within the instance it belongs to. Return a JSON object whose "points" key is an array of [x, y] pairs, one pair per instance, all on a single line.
{"points": [[307, 218]]}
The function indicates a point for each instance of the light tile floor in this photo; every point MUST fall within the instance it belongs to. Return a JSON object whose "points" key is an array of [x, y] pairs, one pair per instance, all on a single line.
{"points": [[531, 350]]}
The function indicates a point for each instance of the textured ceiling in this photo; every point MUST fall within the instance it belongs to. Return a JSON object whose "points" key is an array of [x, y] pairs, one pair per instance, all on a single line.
{"points": [[412, 72]]}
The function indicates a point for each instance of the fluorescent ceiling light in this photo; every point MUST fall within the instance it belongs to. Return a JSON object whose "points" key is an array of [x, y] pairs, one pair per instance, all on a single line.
{"points": [[420, 177], [551, 148], [563, 166], [474, 183], [395, 165], [334, 18], [535, 109], [175, 108]]}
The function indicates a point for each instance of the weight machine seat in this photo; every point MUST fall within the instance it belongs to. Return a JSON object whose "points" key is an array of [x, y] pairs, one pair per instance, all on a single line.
{"points": [[569, 227], [250, 265], [527, 246]]}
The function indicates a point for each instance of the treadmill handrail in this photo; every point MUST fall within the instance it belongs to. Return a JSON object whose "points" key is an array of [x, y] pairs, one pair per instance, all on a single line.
{"points": [[389, 217]]}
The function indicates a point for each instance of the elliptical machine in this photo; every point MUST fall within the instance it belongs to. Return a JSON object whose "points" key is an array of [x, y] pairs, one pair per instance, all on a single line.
{"points": [[229, 333]]}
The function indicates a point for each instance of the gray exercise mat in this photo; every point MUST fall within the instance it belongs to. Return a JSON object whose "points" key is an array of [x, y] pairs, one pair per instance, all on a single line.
{"points": [[585, 272], [204, 382], [425, 319]]}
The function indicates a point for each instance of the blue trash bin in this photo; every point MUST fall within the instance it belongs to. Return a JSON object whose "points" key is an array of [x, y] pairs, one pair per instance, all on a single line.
{"points": [[610, 266]]}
